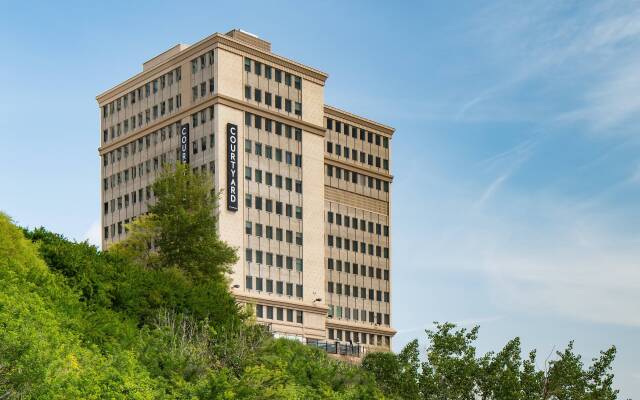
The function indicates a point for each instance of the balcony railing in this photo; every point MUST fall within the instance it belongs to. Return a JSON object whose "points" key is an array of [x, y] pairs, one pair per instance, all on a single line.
{"points": [[343, 349]]}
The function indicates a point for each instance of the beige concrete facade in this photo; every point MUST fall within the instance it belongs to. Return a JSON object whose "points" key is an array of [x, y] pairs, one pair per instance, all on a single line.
{"points": [[296, 184]]}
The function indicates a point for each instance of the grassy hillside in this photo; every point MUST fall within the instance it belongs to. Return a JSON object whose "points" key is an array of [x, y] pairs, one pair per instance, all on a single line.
{"points": [[78, 323]]}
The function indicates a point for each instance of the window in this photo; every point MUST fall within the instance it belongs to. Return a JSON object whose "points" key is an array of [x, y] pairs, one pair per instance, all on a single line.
{"points": [[287, 105], [279, 102], [247, 92], [298, 82], [279, 287], [249, 282], [247, 64], [257, 95], [278, 76], [298, 108]]}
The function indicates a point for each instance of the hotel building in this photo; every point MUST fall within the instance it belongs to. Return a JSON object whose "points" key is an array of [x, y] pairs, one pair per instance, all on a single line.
{"points": [[311, 212]]}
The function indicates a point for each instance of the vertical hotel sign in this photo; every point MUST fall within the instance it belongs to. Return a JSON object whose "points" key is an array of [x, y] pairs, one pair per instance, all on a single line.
{"points": [[184, 144], [232, 167]]}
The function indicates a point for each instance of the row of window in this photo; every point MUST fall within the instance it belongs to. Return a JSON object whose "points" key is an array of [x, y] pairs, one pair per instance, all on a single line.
{"points": [[201, 90], [374, 295], [271, 100], [154, 164], [352, 154], [269, 153], [355, 269], [359, 337], [280, 128], [349, 245], [146, 141], [272, 73], [270, 259], [268, 179], [352, 222], [124, 151], [364, 135], [358, 315], [266, 312], [115, 229], [147, 89], [257, 174], [124, 201], [201, 116], [150, 114], [202, 61], [260, 230], [355, 177], [279, 288]]}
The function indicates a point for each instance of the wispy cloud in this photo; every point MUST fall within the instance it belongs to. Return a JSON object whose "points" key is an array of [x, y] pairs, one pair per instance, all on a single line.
{"points": [[491, 189], [508, 162], [584, 59]]}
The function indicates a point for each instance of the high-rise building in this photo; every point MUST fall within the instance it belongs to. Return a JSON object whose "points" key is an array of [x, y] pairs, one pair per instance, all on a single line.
{"points": [[305, 186]]}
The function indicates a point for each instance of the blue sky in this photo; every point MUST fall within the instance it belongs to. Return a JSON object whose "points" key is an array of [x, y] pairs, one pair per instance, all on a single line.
{"points": [[516, 198]]}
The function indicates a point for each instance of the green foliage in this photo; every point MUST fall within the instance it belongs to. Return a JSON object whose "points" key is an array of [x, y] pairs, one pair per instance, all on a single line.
{"points": [[183, 225], [453, 371], [42, 353]]}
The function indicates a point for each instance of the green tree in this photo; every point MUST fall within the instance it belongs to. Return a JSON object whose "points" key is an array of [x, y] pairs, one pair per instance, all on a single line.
{"points": [[396, 375], [178, 239], [453, 371], [182, 224]]}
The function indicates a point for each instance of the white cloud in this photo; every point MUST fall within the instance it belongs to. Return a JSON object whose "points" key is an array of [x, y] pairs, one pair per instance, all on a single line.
{"points": [[539, 254], [583, 57], [94, 234]]}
